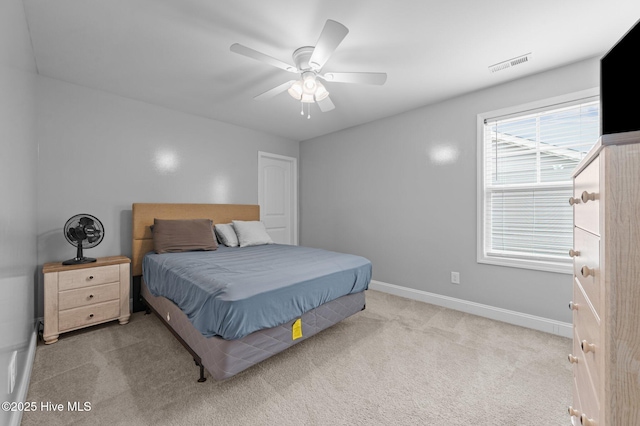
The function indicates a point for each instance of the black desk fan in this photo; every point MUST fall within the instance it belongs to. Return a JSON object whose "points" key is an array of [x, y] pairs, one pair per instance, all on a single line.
{"points": [[83, 231]]}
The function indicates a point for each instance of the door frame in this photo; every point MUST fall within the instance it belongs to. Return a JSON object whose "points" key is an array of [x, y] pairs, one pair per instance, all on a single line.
{"points": [[294, 187]]}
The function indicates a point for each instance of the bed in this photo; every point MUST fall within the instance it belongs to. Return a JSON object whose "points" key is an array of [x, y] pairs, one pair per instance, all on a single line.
{"points": [[268, 297]]}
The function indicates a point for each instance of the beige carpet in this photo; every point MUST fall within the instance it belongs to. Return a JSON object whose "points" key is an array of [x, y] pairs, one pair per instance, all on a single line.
{"points": [[399, 362]]}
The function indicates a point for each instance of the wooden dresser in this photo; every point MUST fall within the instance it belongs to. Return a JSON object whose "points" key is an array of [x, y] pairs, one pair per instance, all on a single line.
{"points": [[77, 296], [606, 284]]}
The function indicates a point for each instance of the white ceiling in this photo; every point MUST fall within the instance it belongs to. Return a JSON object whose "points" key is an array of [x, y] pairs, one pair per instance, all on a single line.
{"points": [[175, 53]]}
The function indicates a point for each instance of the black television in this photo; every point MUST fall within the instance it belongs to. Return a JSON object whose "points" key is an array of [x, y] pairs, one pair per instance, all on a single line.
{"points": [[620, 85]]}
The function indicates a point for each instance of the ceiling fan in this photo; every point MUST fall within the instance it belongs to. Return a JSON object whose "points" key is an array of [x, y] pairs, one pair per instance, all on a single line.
{"points": [[308, 62]]}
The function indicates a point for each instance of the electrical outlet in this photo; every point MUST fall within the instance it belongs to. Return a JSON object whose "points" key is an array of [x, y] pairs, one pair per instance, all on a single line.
{"points": [[455, 278], [12, 371]]}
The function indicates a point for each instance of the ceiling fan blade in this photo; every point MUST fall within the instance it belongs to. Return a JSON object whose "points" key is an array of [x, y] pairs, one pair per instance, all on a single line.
{"points": [[275, 91], [332, 35], [258, 56], [378, 78], [326, 104]]}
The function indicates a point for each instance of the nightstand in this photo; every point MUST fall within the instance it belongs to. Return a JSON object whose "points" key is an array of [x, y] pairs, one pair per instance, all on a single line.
{"points": [[77, 296]]}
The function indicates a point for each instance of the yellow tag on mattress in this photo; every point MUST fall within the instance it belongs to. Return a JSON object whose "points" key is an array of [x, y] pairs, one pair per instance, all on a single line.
{"points": [[296, 329]]}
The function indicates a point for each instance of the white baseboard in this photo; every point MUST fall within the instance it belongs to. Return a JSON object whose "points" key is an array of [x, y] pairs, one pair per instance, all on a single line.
{"points": [[25, 378], [512, 317]]}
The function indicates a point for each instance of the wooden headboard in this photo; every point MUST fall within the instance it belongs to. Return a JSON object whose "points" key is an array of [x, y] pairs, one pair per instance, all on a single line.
{"points": [[144, 213]]}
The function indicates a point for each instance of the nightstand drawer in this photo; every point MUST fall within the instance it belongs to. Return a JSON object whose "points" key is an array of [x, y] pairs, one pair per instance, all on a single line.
{"points": [[77, 278], [79, 317], [88, 296]]}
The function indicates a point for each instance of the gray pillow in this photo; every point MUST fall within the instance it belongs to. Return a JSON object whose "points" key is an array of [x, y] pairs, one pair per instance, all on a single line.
{"points": [[251, 233], [226, 234], [175, 236]]}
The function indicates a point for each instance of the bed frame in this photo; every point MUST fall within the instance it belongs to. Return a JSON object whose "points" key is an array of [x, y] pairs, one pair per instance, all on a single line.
{"points": [[222, 358]]}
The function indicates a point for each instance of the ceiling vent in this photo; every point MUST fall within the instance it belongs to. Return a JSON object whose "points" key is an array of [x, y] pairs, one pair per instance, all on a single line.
{"points": [[510, 63]]}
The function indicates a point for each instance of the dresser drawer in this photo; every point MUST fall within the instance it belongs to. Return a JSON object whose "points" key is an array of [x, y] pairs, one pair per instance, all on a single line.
{"points": [[588, 329], [77, 278], [79, 317], [586, 211], [576, 405], [588, 397], [88, 296], [586, 266]]}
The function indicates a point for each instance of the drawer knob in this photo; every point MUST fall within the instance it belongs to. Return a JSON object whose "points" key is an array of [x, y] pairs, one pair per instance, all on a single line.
{"points": [[587, 347], [588, 196], [90, 277], [573, 412], [574, 253], [585, 421], [90, 315], [573, 306], [586, 271], [573, 359], [573, 201], [91, 296]]}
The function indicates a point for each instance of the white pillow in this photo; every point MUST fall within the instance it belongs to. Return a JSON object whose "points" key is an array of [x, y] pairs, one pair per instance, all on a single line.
{"points": [[251, 233], [226, 234]]}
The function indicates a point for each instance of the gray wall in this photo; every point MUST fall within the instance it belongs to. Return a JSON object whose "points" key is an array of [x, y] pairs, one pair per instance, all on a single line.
{"points": [[382, 190], [18, 159], [99, 153]]}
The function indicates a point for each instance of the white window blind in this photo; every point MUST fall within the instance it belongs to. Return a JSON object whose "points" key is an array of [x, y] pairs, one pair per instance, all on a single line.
{"points": [[528, 159]]}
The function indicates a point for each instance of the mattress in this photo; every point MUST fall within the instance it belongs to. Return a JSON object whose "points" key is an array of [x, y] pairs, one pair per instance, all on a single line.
{"points": [[233, 292]]}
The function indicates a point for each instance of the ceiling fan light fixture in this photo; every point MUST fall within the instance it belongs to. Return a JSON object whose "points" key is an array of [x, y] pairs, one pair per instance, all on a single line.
{"points": [[296, 90], [309, 79], [321, 92], [308, 90], [307, 98], [309, 85]]}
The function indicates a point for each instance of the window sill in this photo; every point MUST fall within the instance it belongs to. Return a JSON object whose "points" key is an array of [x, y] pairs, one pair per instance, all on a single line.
{"points": [[560, 268]]}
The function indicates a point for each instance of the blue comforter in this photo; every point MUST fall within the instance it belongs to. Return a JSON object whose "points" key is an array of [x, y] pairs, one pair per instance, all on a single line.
{"points": [[232, 292]]}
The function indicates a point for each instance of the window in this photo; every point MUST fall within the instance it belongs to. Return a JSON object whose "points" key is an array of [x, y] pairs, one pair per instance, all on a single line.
{"points": [[526, 158]]}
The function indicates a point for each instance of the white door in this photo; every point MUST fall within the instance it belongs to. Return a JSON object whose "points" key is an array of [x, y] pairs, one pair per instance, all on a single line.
{"points": [[277, 196]]}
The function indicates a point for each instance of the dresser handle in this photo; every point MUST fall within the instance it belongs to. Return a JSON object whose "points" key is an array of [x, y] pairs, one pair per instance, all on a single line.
{"points": [[573, 359], [573, 412], [91, 296], [586, 271], [90, 277], [90, 315], [586, 196], [573, 306], [587, 347], [585, 421], [574, 253], [573, 201]]}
